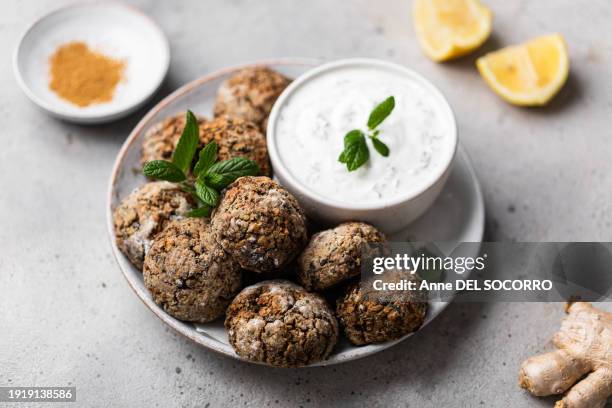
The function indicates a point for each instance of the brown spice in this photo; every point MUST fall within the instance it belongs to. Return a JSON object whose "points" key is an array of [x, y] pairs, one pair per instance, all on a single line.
{"points": [[83, 76]]}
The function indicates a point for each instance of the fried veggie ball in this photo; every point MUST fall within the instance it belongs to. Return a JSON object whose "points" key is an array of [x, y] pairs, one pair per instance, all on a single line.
{"points": [[278, 323], [238, 138], [188, 273], [369, 316], [144, 213], [259, 224], [335, 255], [160, 140], [250, 95]]}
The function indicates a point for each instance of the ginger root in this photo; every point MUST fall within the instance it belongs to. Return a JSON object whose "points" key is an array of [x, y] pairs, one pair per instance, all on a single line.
{"points": [[584, 347]]}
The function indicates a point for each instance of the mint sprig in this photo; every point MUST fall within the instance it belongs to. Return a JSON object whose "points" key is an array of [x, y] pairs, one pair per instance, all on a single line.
{"points": [[356, 152], [210, 175]]}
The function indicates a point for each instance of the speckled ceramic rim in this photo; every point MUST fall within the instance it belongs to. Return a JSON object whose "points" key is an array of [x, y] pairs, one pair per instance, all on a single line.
{"points": [[187, 329], [89, 117], [279, 165]]}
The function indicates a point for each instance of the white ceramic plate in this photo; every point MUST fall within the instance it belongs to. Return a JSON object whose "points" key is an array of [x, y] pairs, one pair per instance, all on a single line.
{"points": [[112, 28], [456, 216]]}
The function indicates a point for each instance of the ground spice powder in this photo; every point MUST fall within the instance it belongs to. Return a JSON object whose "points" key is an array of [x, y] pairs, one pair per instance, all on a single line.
{"points": [[83, 76]]}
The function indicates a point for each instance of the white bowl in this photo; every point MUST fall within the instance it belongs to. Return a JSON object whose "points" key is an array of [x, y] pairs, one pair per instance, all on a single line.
{"points": [[457, 215], [389, 215], [116, 30]]}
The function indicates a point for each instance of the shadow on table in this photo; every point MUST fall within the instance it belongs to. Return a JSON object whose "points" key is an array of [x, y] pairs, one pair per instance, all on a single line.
{"points": [[423, 361], [569, 95]]}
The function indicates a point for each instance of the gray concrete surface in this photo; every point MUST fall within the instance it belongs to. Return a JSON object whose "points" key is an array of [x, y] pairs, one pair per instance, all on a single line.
{"points": [[67, 317]]}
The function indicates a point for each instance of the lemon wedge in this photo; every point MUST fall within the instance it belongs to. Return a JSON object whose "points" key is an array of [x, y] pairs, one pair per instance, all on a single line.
{"points": [[528, 74], [451, 28]]}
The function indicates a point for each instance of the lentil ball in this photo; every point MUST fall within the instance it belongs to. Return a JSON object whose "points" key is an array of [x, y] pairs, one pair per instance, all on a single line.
{"points": [[370, 316], [144, 213], [280, 324], [250, 95], [238, 138], [188, 273], [259, 224], [335, 255]]}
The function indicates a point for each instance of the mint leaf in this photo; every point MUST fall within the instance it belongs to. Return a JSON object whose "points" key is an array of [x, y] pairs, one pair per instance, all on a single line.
{"points": [[380, 112], [187, 144], [207, 194], [208, 156], [361, 155], [163, 170], [230, 170], [352, 137], [217, 180], [380, 147], [355, 152], [203, 211]]}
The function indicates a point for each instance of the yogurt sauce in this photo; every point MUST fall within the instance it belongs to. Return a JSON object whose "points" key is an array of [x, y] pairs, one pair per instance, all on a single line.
{"points": [[313, 120]]}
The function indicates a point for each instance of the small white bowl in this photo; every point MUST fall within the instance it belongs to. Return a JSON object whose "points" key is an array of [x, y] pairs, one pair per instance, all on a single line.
{"points": [[389, 215], [112, 28]]}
